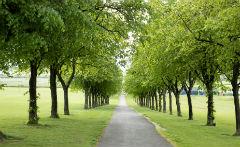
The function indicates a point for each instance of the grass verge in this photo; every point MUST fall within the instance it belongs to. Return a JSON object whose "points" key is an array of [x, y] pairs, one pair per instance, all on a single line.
{"points": [[82, 128], [185, 133]]}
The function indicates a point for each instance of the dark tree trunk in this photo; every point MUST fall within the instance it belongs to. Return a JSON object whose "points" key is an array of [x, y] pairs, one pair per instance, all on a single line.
{"points": [[33, 117], [235, 89], [190, 112], [210, 113], [140, 101], [101, 102], [65, 86], [164, 101], [89, 100], [188, 89], [53, 88], [99, 99], [160, 100], [177, 96], [92, 97], [152, 96], [95, 99], [86, 99], [107, 100], [170, 102], [66, 105], [156, 100], [207, 71], [145, 97], [176, 92]]}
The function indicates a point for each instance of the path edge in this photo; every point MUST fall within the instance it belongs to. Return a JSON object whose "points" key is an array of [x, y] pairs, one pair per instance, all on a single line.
{"points": [[160, 130], [104, 129]]}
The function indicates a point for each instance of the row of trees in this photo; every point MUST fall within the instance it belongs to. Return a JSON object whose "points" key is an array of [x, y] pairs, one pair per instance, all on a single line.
{"points": [[185, 42], [73, 40], [157, 100]]}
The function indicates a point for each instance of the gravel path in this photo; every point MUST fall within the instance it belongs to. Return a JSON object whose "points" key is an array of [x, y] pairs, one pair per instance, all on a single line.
{"points": [[129, 129]]}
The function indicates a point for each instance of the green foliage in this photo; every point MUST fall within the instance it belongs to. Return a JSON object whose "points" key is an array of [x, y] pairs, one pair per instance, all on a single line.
{"points": [[187, 40]]}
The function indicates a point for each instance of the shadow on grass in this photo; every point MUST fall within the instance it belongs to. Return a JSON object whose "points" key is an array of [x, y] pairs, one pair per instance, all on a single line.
{"points": [[4, 138], [224, 134], [39, 125]]}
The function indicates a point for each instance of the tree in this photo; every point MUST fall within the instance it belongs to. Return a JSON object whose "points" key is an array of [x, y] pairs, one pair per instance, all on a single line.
{"points": [[225, 33], [25, 28]]}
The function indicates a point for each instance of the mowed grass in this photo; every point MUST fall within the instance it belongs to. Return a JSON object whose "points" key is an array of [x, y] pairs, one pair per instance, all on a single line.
{"points": [[185, 133], [82, 128]]}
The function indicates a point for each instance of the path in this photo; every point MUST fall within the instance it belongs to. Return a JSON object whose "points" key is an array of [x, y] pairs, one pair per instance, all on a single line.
{"points": [[129, 129]]}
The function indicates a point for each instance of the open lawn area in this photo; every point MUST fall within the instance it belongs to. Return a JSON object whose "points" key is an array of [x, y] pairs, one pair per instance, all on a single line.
{"points": [[82, 128], [194, 133]]}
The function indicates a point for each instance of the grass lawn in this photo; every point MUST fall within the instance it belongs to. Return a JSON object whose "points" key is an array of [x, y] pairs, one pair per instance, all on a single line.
{"points": [[82, 128], [184, 133]]}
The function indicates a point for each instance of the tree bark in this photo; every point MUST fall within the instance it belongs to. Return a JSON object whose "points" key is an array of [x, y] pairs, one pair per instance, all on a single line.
{"points": [[188, 89], [170, 102], [53, 88], [65, 86], [89, 100], [235, 89], [190, 112], [164, 101], [86, 98], [93, 100], [107, 100], [33, 117], [152, 96], [176, 91], [156, 100], [210, 113], [66, 105], [160, 100], [177, 96]]}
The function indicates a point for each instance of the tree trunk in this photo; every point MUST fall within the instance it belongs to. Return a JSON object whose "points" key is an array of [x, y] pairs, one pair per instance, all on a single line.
{"points": [[65, 86], [237, 109], [164, 101], [190, 113], [107, 100], [210, 114], [188, 91], [66, 105], [89, 100], [176, 92], [156, 100], [93, 100], [86, 99], [177, 96], [235, 89], [33, 117], [170, 102], [152, 96], [160, 101], [53, 88], [145, 101]]}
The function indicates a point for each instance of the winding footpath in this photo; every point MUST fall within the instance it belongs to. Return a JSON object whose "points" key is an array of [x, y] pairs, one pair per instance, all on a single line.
{"points": [[129, 129]]}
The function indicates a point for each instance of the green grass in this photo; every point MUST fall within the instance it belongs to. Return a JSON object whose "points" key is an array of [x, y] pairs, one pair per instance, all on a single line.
{"points": [[82, 128], [184, 133]]}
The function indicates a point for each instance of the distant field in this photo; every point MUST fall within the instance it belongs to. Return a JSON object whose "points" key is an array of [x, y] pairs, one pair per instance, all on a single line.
{"points": [[23, 81], [82, 128], [185, 133]]}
